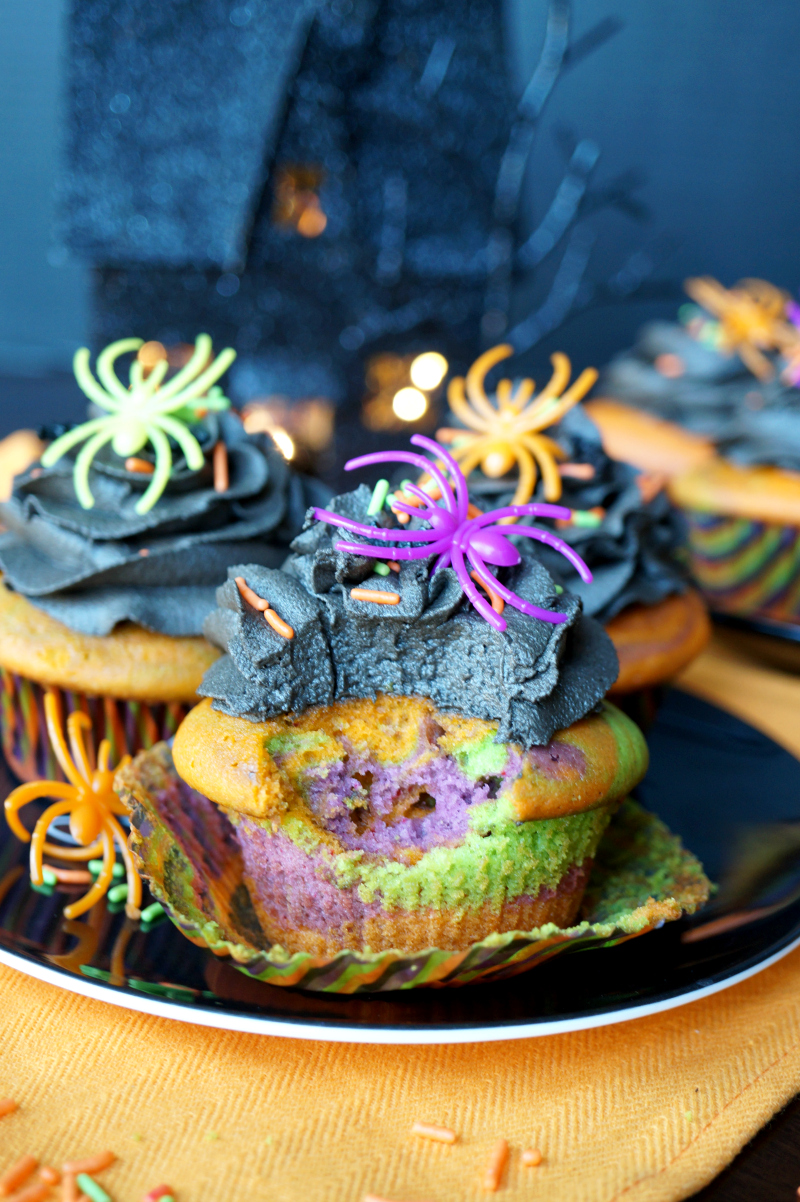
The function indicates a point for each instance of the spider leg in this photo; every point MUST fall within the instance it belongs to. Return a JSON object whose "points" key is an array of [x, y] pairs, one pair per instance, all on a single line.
{"points": [[20, 797], [88, 384], [462, 499], [433, 548], [199, 356], [105, 366], [133, 905], [477, 374], [536, 509], [480, 603], [442, 562], [460, 406], [203, 382], [558, 544], [418, 461], [100, 887], [57, 741], [80, 473], [67, 441], [62, 852], [161, 475], [526, 607], [40, 834], [77, 722], [185, 439], [420, 495], [379, 532], [148, 387], [527, 474], [547, 466], [521, 396]]}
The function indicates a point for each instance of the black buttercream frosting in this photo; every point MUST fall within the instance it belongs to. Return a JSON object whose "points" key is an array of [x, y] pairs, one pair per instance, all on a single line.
{"points": [[751, 421], [93, 568], [632, 554], [534, 678]]}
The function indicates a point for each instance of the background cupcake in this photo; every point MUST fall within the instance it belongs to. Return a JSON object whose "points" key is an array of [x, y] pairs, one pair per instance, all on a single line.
{"points": [[400, 772], [105, 588]]}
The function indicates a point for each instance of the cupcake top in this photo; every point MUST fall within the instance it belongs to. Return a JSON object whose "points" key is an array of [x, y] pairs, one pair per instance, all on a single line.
{"points": [[89, 540], [329, 627], [729, 369]]}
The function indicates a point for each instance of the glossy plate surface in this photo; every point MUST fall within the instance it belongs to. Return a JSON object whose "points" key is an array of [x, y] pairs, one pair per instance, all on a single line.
{"points": [[729, 791]]}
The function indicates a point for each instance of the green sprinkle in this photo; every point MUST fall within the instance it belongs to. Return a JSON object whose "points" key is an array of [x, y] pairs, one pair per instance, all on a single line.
{"points": [[268, 1140], [100, 974], [50, 877], [689, 1116], [91, 1188], [378, 497], [47, 890], [137, 1137], [96, 867], [153, 913], [558, 589], [381, 569], [211, 1135], [118, 894], [585, 517]]}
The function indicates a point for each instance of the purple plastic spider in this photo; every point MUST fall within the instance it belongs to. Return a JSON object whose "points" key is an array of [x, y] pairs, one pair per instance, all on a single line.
{"points": [[452, 535]]}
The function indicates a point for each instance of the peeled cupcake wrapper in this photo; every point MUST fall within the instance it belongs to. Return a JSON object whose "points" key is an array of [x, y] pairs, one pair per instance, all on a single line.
{"points": [[642, 877], [130, 726], [744, 566]]}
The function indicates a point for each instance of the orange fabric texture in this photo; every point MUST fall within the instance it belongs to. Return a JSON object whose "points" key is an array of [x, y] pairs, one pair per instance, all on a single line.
{"points": [[647, 1111]]}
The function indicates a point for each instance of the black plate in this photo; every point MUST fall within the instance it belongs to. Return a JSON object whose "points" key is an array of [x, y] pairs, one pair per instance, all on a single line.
{"points": [[729, 791]]}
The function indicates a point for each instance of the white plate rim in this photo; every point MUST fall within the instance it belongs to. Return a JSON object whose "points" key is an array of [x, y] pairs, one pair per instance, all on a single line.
{"points": [[329, 1032]]}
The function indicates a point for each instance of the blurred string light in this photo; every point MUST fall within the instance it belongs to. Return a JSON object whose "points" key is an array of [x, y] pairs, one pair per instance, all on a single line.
{"points": [[301, 430], [428, 370], [409, 404], [283, 442], [296, 201]]}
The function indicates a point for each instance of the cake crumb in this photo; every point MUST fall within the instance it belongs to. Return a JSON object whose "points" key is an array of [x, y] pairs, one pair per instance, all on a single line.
{"points": [[442, 1135], [531, 1157]]}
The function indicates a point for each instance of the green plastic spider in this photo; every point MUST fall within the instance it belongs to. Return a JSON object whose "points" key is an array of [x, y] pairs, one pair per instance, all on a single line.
{"points": [[143, 413]]}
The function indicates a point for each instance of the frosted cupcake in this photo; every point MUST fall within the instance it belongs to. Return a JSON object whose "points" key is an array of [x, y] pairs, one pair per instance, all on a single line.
{"points": [[114, 543], [619, 519], [405, 758]]}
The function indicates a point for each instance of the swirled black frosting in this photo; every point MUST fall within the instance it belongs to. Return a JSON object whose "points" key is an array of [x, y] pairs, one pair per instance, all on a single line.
{"points": [[632, 553], [534, 678], [751, 421], [93, 568]]}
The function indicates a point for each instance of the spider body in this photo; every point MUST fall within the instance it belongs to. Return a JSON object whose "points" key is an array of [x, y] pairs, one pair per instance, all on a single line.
{"points": [[752, 319], [454, 537], [507, 430], [145, 412]]}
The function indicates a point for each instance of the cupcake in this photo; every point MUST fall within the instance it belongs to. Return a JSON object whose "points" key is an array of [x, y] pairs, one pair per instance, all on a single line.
{"points": [[620, 519], [400, 757], [114, 543]]}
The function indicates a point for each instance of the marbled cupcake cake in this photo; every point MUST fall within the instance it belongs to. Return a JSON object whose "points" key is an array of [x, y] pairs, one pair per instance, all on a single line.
{"points": [[398, 770]]}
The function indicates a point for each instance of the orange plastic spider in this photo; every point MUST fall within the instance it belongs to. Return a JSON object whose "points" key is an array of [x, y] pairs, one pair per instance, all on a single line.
{"points": [[507, 431], [752, 319], [88, 797]]}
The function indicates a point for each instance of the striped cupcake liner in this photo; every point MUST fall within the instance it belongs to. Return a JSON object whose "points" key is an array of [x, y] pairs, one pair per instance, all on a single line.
{"points": [[130, 726], [746, 567], [642, 877]]}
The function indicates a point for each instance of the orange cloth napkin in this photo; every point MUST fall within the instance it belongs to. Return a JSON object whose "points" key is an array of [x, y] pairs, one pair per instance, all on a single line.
{"points": [[648, 1111]]}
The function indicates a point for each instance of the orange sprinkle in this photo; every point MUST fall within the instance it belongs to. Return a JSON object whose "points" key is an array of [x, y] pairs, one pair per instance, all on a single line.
{"points": [[220, 463], [160, 1191], [376, 595], [135, 464], [51, 1176], [576, 471], [493, 1176], [650, 484], [473, 511], [14, 1177], [92, 1164], [71, 876], [277, 623], [69, 1189], [143, 551], [403, 518], [34, 1193], [395, 567], [531, 1157], [249, 596], [7, 1106], [498, 604], [442, 1135]]}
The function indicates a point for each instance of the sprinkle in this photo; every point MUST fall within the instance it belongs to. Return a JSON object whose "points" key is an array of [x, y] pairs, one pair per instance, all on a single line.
{"points": [[379, 494], [96, 867], [381, 569], [119, 893], [576, 471], [143, 551], [7, 1106], [278, 625], [559, 589], [498, 604], [17, 1174], [249, 596], [219, 459], [394, 567], [34, 1193], [51, 1176], [650, 484], [672, 367], [586, 517], [92, 1189], [160, 1192], [91, 1164], [377, 595], [49, 877], [134, 464], [211, 1135], [531, 1157], [70, 876], [442, 1135], [494, 1169], [69, 1190], [473, 511], [150, 914]]}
